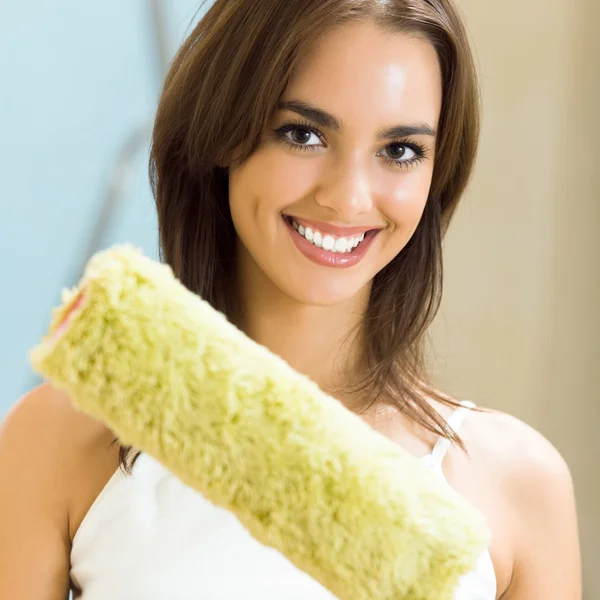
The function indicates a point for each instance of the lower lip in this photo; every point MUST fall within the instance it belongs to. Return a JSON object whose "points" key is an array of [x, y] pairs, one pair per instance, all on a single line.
{"points": [[331, 259]]}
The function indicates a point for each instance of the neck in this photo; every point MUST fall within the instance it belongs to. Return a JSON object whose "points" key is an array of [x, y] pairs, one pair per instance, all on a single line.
{"points": [[321, 342]]}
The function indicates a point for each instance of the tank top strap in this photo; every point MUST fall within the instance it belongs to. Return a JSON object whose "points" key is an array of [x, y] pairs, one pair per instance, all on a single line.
{"points": [[454, 422]]}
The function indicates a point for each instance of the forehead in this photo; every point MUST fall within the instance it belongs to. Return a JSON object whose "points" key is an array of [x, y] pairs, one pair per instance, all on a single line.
{"points": [[361, 73]]}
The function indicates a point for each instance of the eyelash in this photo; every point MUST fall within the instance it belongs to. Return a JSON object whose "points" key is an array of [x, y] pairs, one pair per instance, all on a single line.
{"points": [[419, 150]]}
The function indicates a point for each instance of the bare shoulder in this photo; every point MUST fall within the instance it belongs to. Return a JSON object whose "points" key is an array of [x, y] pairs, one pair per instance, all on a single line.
{"points": [[63, 453], [52, 462], [519, 454], [537, 493], [45, 422]]}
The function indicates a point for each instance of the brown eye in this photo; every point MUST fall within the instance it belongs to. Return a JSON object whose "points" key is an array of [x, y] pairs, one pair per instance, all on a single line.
{"points": [[300, 136], [401, 153], [397, 151]]}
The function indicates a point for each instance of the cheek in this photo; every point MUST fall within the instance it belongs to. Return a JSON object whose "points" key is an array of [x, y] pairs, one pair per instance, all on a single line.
{"points": [[268, 183], [288, 178], [405, 200], [277, 178]]}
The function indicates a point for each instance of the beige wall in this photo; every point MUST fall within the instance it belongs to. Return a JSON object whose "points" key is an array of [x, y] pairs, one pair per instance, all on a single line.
{"points": [[519, 325]]}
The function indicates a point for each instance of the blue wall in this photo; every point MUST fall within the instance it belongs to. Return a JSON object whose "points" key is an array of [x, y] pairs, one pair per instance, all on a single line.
{"points": [[75, 79]]}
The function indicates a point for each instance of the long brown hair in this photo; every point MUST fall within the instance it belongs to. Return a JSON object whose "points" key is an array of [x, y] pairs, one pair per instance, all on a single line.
{"points": [[221, 90]]}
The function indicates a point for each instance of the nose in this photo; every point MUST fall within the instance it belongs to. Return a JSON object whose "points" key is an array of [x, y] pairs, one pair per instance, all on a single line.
{"points": [[346, 190]]}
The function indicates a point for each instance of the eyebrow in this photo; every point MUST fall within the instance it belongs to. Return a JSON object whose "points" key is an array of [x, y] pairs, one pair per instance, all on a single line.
{"points": [[325, 119]]}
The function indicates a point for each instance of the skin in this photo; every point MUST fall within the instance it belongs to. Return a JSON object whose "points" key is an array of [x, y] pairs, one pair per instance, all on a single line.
{"points": [[56, 461]]}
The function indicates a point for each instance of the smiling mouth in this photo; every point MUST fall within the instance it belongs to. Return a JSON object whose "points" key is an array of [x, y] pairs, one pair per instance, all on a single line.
{"points": [[336, 244], [327, 249]]}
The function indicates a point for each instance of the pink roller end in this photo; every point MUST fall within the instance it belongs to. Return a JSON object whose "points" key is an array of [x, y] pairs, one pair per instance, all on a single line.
{"points": [[62, 326]]}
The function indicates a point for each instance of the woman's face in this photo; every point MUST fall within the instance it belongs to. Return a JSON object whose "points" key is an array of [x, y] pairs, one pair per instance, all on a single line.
{"points": [[333, 193]]}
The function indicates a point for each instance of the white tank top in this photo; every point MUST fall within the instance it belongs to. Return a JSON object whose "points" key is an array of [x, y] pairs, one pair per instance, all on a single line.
{"points": [[150, 537]]}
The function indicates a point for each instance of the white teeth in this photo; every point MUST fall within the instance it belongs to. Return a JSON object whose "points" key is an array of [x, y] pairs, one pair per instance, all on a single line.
{"points": [[328, 242], [341, 245]]}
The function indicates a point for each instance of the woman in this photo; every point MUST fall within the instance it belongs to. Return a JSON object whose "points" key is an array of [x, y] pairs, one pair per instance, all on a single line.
{"points": [[307, 158]]}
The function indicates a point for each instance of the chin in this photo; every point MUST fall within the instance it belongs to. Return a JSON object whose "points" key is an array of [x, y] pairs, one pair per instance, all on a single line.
{"points": [[328, 299], [332, 291]]}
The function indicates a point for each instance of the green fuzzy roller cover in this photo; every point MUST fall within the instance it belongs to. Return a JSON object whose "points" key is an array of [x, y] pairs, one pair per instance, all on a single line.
{"points": [[172, 377]]}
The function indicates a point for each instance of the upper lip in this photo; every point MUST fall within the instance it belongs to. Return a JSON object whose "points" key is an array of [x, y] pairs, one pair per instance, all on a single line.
{"points": [[333, 229]]}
